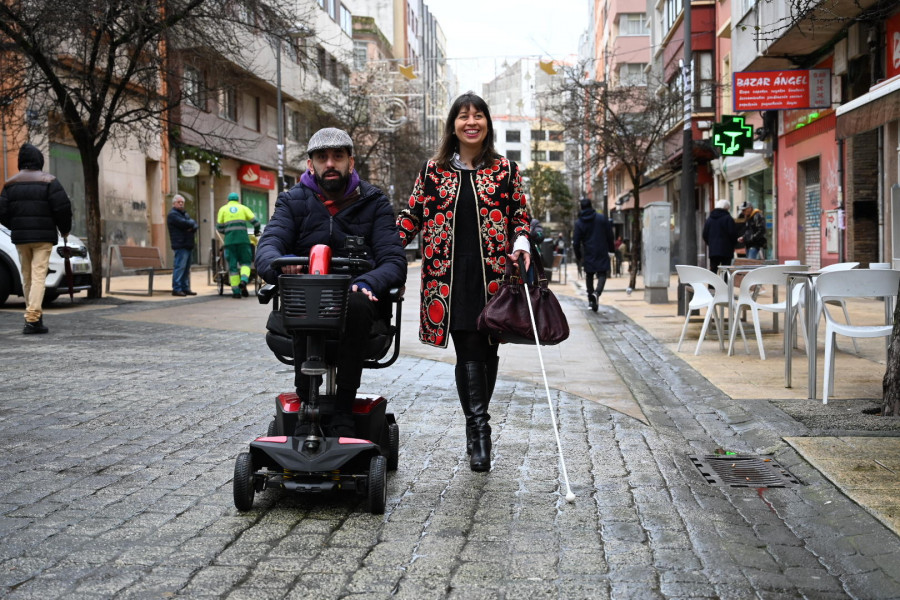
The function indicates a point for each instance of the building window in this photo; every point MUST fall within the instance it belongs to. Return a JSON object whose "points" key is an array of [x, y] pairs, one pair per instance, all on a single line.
{"points": [[228, 103], [322, 62], [321, 3], [672, 10], [556, 136], [360, 55], [537, 135], [632, 74], [332, 9], [194, 91], [634, 24], [346, 21], [555, 155], [514, 155], [295, 126], [704, 81], [513, 135]]}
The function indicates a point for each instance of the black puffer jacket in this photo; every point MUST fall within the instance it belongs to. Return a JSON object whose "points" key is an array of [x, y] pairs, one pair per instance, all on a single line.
{"points": [[33, 204], [300, 221], [720, 233], [593, 240]]}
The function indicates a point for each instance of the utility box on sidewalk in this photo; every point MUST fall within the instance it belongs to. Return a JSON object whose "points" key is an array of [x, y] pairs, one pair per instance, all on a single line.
{"points": [[656, 234]]}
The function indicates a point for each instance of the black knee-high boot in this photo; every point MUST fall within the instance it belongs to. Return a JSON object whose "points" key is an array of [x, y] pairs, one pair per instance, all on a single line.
{"points": [[473, 394], [490, 370]]}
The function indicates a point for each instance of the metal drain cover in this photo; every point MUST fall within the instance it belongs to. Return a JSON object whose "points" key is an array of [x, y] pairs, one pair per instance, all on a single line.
{"points": [[743, 471]]}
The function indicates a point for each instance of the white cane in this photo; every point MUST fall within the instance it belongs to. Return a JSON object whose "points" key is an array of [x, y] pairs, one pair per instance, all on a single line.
{"points": [[570, 495]]}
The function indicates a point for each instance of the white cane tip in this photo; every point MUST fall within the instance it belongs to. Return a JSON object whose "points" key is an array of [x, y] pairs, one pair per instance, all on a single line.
{"points": [[570, 497]]}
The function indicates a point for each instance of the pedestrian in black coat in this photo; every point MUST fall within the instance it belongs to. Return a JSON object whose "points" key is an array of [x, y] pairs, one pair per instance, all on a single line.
{"points": [[593, 243], [36, 209], [720, 234]]}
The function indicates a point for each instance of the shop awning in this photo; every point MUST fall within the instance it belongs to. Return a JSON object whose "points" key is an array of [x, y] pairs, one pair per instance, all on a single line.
{"points": [[738, 167], [872, 109]]}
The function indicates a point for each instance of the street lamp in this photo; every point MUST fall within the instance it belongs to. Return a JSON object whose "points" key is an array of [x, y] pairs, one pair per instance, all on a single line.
{"points": [[298, 31]]}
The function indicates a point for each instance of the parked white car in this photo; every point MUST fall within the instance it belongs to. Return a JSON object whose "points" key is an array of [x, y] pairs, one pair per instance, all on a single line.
{"points": [[11, 270]]}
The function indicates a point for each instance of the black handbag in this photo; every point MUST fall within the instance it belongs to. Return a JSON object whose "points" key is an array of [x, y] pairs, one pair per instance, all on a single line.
{"points": [[506, 317]]}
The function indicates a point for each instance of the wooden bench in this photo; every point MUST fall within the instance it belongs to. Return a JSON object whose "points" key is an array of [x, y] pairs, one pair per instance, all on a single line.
{"points": [[136, 259], [558, 268]]}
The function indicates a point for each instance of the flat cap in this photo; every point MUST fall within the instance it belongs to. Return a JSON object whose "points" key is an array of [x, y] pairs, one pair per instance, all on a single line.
{"points": [[329, 137]]}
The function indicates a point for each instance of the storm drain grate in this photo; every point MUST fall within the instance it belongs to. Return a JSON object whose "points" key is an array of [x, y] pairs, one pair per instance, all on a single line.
{"points": [[743, 471]]}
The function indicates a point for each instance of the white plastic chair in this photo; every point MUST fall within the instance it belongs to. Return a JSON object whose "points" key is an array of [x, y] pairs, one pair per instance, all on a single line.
{"points": [[857, 283], [700, 280], [774, 275], [844, 266]]}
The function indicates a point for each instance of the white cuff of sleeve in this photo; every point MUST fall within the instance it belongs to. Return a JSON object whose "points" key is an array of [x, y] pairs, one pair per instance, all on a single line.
{"points": [[522, 243]]}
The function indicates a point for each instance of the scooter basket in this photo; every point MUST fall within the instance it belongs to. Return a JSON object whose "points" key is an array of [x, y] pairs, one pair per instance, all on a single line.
{"points": [[314, 302]]}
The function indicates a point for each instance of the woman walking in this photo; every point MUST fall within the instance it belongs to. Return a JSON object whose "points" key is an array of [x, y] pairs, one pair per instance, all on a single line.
{"points": [[469, 204]]}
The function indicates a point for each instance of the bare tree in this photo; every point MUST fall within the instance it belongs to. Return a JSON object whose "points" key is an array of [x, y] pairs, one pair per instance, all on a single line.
{"points": [[622, 125], [105, 71]]}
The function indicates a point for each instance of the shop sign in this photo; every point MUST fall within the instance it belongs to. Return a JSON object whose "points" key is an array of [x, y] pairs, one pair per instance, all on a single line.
{"points": [[782, 90], [189, 168], [893, 46], [252, 175]]}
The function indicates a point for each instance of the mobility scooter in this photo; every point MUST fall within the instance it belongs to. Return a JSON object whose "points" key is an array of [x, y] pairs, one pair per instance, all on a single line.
{"points": [[303, 459]]}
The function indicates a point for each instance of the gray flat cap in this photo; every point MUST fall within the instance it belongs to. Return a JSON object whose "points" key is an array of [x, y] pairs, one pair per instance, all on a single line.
{"points": [[329, 137]]}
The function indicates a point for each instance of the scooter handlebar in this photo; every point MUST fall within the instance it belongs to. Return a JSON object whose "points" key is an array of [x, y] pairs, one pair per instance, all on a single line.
{"points": [[338, 263]]}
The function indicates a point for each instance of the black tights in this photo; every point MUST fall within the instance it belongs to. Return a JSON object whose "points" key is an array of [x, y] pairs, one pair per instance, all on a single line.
{"points": [[473, 346]]}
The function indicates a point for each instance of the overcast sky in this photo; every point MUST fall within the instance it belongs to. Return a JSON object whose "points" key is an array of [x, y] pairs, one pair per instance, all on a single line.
{"points": [[481, 34]]}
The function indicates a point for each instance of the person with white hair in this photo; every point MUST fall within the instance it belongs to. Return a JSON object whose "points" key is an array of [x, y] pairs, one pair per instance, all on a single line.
{"points": [[720, 234], [181, 235]]}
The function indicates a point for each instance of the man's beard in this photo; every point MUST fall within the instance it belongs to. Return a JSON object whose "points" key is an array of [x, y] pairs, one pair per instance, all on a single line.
{"points": [[333, 185]]}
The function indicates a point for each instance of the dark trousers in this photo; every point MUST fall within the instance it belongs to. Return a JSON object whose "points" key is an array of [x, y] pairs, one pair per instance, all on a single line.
{"points": [[601, 281], [715, 261], [361, 315]]}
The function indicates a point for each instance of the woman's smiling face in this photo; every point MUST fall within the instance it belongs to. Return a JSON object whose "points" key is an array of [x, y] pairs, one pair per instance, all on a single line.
{"points": [[471, 127]]}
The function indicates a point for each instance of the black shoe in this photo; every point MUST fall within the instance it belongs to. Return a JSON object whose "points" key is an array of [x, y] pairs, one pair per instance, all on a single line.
{"points": [[341, 426], [243, 286], [35, 327], [592, 300], [190, 292], [179, 293]]}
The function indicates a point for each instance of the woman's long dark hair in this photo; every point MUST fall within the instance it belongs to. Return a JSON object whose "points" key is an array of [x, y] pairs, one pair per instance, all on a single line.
{"points": [[449, 143]]}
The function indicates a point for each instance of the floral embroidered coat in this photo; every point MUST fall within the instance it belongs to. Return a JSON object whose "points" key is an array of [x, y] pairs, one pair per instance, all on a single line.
{"points": [[502, 217]]}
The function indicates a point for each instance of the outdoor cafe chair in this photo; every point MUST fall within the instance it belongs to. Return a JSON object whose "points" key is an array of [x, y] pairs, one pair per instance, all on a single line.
{"points": [[773, 275], [844, 266], [700, 280], [857, 283]]}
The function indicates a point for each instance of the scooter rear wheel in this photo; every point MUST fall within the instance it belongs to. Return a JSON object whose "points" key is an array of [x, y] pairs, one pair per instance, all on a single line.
{"points": [[377, 485], [244, 489], [393, 459]]}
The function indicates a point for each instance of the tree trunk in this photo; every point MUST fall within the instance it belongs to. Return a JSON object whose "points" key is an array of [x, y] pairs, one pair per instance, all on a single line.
{"points": [[891, 381], [90, 163]]}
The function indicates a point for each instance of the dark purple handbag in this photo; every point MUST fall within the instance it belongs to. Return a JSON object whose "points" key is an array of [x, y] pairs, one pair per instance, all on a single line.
{"points": [[506, 318]]}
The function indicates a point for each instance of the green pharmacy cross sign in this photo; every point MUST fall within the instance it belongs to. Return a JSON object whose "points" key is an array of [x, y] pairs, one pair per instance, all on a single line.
{"points": [[732, 136]]}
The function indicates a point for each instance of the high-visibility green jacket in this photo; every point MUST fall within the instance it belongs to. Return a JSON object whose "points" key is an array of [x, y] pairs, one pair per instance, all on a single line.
{"points": [[233, 220]]}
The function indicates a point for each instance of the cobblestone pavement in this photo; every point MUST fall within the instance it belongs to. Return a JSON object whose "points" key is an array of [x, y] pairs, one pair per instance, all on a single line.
{"points": [[117, 446]]}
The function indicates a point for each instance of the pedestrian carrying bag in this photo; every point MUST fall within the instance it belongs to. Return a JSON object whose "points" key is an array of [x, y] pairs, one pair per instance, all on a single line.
{"points": [[506, 318]]}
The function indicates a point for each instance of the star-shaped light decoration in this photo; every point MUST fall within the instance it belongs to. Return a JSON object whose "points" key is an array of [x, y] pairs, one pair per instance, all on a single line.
{"points": [[547, 67], [407, 71]]}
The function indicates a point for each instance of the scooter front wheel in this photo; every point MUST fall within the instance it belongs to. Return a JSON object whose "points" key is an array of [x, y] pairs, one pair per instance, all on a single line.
{"points": [[377, 485], [244, 489]]}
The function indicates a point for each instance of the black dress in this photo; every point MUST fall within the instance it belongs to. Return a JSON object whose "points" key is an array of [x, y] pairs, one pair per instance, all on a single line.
{"points": [[467, 289]]}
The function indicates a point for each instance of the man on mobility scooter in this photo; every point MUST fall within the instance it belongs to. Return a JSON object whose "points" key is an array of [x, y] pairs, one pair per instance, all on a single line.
{"points": [[330, 204]]}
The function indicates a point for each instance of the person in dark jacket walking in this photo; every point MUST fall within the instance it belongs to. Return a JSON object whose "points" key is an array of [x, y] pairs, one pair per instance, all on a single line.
{"points": [[593, 243], [329, 204], [754, 236], [35, 207], [720, 234], [181, 235]]}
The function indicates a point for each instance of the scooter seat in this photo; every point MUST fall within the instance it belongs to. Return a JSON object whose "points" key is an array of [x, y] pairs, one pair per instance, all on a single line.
{"points": [[281, 344]]}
